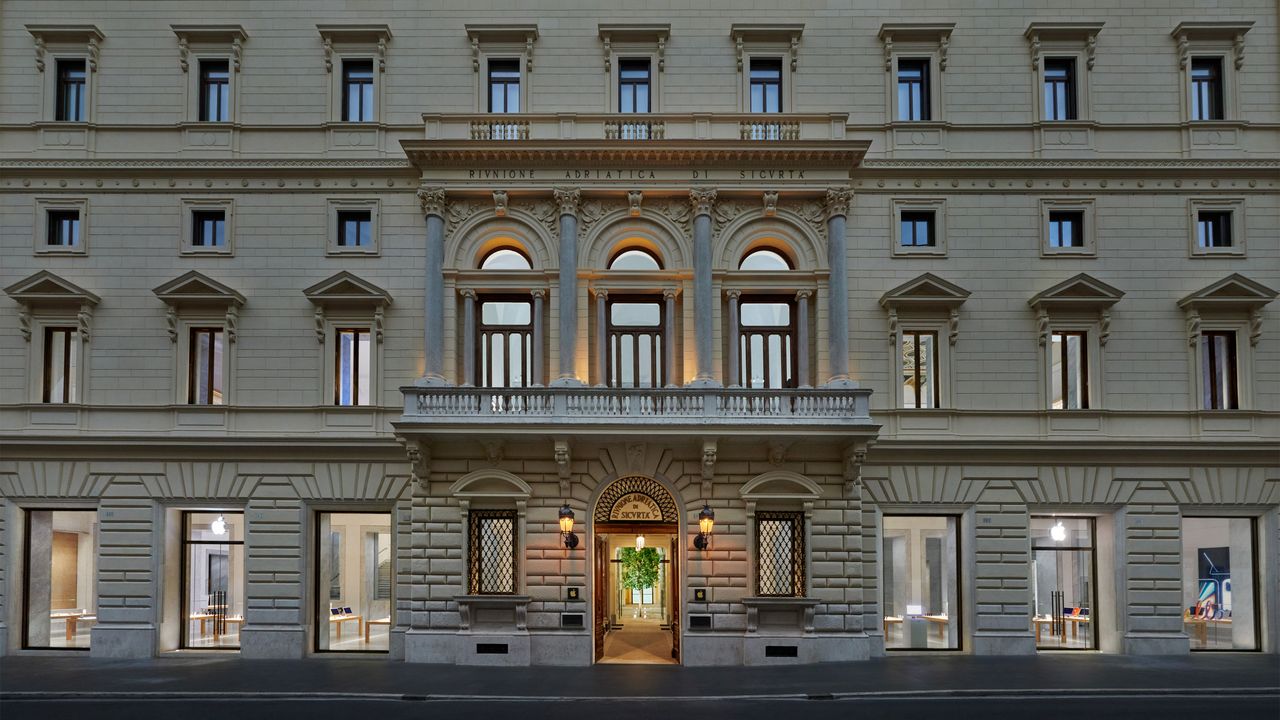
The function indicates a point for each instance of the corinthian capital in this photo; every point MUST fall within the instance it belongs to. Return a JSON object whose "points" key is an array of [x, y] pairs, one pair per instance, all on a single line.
{"points": [[837, 202], [432, 200], [568, 199], [703, 199]]}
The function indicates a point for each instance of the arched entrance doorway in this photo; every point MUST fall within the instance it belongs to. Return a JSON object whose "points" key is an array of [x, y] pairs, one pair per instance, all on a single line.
{"points": [[638, 548]]}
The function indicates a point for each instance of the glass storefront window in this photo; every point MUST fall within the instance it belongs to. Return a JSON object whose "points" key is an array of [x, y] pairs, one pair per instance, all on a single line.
{"points": [[213, 579], [1218, 596], [61, 600], [920, 599], [354, 582], [1062, 583]]}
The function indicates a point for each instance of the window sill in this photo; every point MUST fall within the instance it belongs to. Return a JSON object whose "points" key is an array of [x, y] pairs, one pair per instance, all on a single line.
{"points": [[200, 252], [1229, 252], [1084, 252], [335, 251], [778, 611], [73, 251], [470, 605], [919, 251]]}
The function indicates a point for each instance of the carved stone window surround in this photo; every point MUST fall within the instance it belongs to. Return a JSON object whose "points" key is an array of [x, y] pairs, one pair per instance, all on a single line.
{"points": [[55, 42], [1223, 40], [1077, 41], [767, 40], [196, 300], [498, 41], [40, 236], [337, 205], [210, 42], [911, 40], [354, 42], [937, 206], [1089, 227], [1235, 206], [634, 40], [46, 300], [193, 205]]}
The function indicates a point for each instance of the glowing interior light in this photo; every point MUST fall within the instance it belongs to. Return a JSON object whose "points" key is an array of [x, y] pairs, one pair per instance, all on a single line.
{"points": [[219, 526], [639, 542], [1058, 532]]}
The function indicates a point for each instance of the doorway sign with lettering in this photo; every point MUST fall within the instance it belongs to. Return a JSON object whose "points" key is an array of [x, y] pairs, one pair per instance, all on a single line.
{"points": [[635, 507]]}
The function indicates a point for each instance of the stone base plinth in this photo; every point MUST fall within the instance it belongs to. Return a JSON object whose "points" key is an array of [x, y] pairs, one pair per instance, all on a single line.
{"points": [[1151, 644], [273, 643], [1004, 644], [122, 641]]}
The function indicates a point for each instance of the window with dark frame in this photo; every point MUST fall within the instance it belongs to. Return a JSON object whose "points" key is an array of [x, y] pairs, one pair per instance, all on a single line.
{"points": [[505, 337], [355, 228], [780, 554], [504, 85], [1069, 379], [61, 363], [352, 365], [1060, 89], [913, 89], [63, 228], [920, 388], [635, 330], [1213, 228], [634, 85], [492, 561], [209, 560], [1206, 88], [1066, 229], [917, 228], [766, 84], [1219, 370], [69, 105], [357, 90], [205, 363], [208, 228], [215, 91], [767, 342]]}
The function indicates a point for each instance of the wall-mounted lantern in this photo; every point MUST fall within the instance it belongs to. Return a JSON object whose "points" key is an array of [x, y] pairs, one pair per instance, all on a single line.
{"points": [[566, 527], [706, 523]]}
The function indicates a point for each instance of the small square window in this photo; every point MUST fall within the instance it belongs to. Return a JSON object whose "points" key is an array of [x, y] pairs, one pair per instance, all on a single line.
{"points": [[208, 229], [1066, 229], [355, 229], [1213, 228], [64, 229], [1217, 227], [917, 228]]}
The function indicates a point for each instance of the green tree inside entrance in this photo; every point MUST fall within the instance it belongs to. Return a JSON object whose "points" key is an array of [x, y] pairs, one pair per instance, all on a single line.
{"points": [[639, 567]]}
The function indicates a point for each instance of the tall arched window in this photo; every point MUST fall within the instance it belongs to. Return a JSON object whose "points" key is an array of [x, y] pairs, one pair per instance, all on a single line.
{"points": [[633, 329], [767, 328], [503, 339]]}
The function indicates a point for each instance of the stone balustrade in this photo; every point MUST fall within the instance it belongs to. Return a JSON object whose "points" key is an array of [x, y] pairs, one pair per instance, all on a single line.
{"points": [[650, 126]]}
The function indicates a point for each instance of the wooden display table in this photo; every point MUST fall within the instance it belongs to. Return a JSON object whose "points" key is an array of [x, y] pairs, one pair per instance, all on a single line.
{"points": [[70, 619], [339, 620], [374, 621]]}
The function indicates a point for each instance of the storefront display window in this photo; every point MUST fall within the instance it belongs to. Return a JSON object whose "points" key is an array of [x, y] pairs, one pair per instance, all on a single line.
{"points": [[61, 600], [213, 579], [1062, 583], [354, 582], [921, 582], [1218, 577]]}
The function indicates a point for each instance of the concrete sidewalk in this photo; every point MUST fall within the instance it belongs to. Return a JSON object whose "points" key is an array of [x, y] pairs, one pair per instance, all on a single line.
{"points": [[178, 677]]}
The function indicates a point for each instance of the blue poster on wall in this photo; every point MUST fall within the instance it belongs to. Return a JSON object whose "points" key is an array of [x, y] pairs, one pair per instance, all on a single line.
{"points": [[1215, 582]]}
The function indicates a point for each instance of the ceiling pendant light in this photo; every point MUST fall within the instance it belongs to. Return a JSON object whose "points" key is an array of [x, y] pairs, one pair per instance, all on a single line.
{"points": [[639, 542]]}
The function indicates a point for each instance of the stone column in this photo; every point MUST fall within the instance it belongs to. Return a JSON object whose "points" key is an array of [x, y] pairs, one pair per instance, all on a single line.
{"points": [[735, 348], [468, 336], [433, 207], [837, 208], [802, 337], [568, 199], [668, 339], [539, 376], [602, 335], [703, 311]]}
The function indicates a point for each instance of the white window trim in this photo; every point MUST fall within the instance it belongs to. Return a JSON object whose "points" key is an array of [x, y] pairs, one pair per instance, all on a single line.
{"points": [[916, 40], [1236, 206], [333, 320], [189, 319], [943, 373], [787, 93], [190, 205], [341, 204], [1093, 364], [1224, 41], [1244, 361], [40, 237], [193, 89], [1089, 226], [42, 319], [938, 206]]}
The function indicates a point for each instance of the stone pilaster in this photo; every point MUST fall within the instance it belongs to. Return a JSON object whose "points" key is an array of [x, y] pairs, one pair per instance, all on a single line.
{"points": [[127, 583], [1002, 573], [1151, 555], [4, 576], [277, 573]]}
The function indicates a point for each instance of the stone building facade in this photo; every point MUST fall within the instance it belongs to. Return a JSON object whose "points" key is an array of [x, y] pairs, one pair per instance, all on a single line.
{"points": [[959, 322]]}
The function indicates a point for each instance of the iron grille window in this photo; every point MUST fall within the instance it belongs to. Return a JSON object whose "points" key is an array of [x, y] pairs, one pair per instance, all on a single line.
{"points": [[635, 336], [780, 554], [351, 367], [505, 336], [1066, 229], [215, 90], [71, 87], [204, 375], [1060, 89], [1213, 228], [208, 228], [766, 85], [357, 90], [1070, 371], [1218, 362], [64, 228], [633, 85], [504, 85], [917, 228], [920, 369], [355, 228], [1206, 89], [61, 348], [767, 343], [913, 89], [492, 563]]}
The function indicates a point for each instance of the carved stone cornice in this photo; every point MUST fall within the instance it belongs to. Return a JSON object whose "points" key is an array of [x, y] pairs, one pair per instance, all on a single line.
{"points": [[567, 200], [702, 201], [433, 201]]}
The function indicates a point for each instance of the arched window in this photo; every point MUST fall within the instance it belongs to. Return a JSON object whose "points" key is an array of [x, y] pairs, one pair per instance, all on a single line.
{"points": [[506, 258], [635, 258], [767, 344], [765, 259]]}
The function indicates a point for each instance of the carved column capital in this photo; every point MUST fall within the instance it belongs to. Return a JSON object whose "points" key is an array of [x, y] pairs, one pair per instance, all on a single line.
{"points": [[732, 294], [837, 202], [432, 200], [703, 200], [670, 293], [600, 293], [539, 293], [804, 294], [467, 293], [568, 200]]}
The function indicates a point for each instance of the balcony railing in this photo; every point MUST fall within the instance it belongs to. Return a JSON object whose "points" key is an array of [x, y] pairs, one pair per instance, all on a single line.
{"points": [[634, 406], [636, 127]]}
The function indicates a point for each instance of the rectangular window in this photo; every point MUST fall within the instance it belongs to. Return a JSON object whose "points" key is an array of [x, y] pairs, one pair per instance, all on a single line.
{"points": [[355, 228], [780, 554], [64, 228], [354, 574], [215, 91], [1066, 229], [61, 364], [1220, 583], [1069, 372], [1213, 228], [635, 336], [60, 602], [917, 228], [1059, 89], [1218, 370], [204, 376], [491, 552], [213, 576], [70, 101], [634, 82], [1206, 89], [506, 342], [357, 90], [351, 367], [767, 343], [913, 89], [920, 369], [766, 85], [208, 228], [504, 85], [920, 591], [1062, 583]]}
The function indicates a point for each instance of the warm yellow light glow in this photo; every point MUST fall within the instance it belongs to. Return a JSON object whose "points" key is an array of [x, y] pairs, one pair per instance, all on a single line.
{"points": [[639, 542], [705, 524], [566, 524]]}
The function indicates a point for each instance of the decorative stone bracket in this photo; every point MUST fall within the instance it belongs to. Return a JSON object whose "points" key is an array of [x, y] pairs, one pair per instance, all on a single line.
{"points": [[469, 605], [804, 607], [709, 450], [374, 36], [220, 35], [854, 457], [563, 459], [87, 35]]}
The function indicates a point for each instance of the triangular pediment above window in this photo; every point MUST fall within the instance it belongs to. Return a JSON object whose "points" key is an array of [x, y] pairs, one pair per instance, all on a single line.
{"points": [[346, 289], [45, 288], [195, 288], [1234, 292], [1081, 292], [924, 292]]}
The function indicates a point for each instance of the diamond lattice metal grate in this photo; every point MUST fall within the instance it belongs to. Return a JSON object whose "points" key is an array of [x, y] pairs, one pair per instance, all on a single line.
{"points": [[780, 554], [492, 561]]}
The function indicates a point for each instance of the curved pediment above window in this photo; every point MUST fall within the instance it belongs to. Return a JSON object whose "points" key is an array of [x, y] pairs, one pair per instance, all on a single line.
{"points": [[1081, 292], [926, 292], [780, 485], [490, 483], [1232, 293]]}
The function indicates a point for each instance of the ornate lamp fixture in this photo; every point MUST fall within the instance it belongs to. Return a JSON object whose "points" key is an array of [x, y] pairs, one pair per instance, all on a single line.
{"points": [[566, 527], [706, 523]]}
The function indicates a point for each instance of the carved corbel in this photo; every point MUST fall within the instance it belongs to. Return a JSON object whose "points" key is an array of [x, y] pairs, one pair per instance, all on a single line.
{"points": [[738, 47], [82, 320], [953, 326], [635, 456], [1090, 50], [607, 39], [327, 44], [837, 202], [662, 53], [944, 44], [494, 450], [500, 203], [432, 200], [795, 51], [1184, 51], [854, 457], [184, 54], [40, 50], [563, 459], [24, 322], [1104, 326], [888, 53], [171, 320], [893, 327], [382, 54], [1255, 326], [770, 203], [708, 465], [778, 452], [419, 463], [318, 316], [93, 54], [378, 324], [475, 52], [1035, 51], [1237, 49], [528, 52], [237, 50], [1042, 326], [233, 318], [1193, 328], [634, 198]]}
